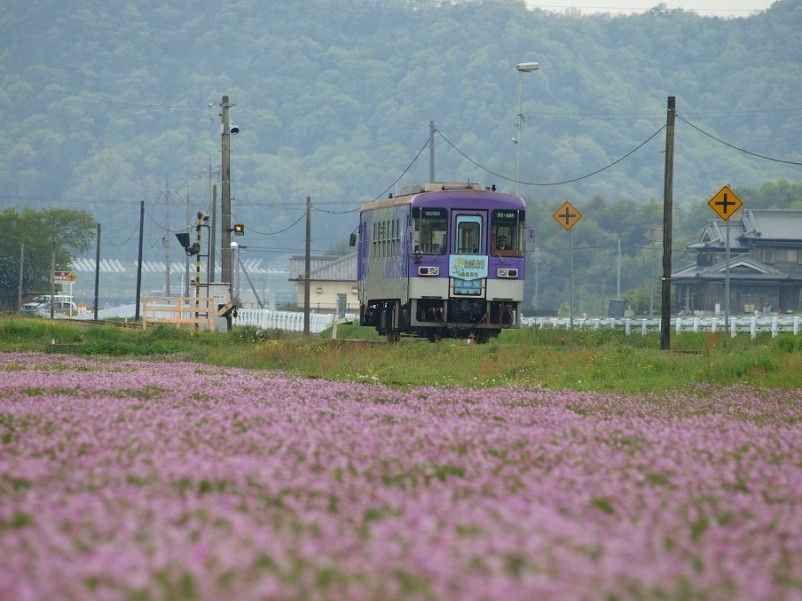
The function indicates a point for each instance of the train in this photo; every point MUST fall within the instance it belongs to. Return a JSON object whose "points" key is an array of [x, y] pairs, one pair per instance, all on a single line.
{"points": [[442, 260]]}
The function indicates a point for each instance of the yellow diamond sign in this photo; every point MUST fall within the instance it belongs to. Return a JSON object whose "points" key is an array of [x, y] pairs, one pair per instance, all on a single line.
{"points": [[567, 215], [725, 203]]}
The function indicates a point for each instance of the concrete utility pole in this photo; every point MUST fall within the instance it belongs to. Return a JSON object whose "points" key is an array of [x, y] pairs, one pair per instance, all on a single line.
{"points": [[431, 151], [665, 313], [97, 270], [21, 271], [225, 180], [307, 265], [165, 239], [139, 260], [210, 266], [53, 282], [185, 287]]}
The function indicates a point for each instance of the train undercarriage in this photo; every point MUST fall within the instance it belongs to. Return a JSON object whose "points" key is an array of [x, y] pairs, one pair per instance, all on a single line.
{"points": [[436, 318]]}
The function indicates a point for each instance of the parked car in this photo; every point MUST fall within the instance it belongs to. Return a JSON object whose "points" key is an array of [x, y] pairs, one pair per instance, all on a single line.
{"points": [[34, 306], [61, 308]]}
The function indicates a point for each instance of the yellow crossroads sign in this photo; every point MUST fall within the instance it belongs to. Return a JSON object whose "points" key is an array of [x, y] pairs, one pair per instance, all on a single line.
{"points": [[725, 203], [567, 215]]}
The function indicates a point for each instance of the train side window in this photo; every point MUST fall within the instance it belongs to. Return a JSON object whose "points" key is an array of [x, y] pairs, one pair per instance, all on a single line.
{"points": [[430, 227]]}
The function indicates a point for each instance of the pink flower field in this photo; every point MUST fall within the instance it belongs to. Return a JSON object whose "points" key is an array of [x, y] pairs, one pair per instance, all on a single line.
{"points": [[127, 480]]}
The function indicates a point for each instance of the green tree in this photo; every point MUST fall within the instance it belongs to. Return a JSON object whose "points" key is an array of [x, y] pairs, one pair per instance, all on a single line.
{"points": [[68, 232]]}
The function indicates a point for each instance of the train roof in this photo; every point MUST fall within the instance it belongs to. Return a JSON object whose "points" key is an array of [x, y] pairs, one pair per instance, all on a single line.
{"points": [[408, 194]]}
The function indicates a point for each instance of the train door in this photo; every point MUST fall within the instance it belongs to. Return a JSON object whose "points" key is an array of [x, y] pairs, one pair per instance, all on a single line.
{"points": [[469, 233]]}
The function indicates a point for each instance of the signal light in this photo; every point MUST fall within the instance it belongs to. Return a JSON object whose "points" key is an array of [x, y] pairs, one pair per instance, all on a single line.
{"points": [[239, 229]]}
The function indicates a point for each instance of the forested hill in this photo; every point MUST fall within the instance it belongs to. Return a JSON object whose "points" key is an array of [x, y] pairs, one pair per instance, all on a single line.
{"points": [[106, 104]]}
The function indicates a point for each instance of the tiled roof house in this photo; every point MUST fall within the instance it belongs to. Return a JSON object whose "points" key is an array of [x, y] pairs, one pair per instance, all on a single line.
{"points": [[765, 266]]}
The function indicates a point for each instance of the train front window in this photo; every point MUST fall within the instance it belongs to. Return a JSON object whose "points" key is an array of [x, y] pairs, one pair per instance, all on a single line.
{"points": [[469, 234], [508, 231], [429, 230]]}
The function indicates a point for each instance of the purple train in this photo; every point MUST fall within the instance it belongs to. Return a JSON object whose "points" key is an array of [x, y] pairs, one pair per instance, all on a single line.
{"points": [[441, 260]]}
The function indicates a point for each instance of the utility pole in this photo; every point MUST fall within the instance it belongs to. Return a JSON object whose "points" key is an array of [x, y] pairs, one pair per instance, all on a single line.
{"points": [[210, 267], [307, 264], [185, 290], [139, 260], [165, 239], [53, 281], [198, 241], [21, 271], [97, 270], [665, 313], [225, 180], [431, 151]]}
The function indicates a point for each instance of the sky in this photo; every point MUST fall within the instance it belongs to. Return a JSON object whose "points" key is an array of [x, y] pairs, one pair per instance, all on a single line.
{"points": [[717, 8]]}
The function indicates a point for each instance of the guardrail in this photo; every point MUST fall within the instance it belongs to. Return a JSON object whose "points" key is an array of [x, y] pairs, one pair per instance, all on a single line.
{"points": [[744, 324]]}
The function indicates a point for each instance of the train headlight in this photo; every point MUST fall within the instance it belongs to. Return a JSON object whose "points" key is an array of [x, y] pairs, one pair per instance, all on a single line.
{"points": [[507, 273], [428, 271]]}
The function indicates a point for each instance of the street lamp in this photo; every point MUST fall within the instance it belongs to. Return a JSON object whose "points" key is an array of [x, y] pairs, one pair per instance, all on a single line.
{"points": [[522, 68]]}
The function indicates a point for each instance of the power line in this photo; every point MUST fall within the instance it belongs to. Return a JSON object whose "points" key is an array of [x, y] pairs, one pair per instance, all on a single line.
{"points": [[569, 181], [733, 146]]}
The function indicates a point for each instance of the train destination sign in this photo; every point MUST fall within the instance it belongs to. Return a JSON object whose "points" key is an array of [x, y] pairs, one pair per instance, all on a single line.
{"points": [[467, 267], [725, 203], [567, 215]]}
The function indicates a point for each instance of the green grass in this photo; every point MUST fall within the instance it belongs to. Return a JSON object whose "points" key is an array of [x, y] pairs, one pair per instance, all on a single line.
{"points": [[605, 360]]}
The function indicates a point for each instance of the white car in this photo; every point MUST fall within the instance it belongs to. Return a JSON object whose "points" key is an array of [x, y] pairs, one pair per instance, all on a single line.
{"points": [[35, 306], [61, 308]]}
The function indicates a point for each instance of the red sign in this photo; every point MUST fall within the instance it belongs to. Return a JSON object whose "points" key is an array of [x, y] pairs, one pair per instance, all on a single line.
{"points": [[64, 277]]}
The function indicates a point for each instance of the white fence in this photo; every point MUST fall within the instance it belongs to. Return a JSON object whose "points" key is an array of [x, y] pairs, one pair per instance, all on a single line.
{"points": [[751, 324], [260, 318], [282, 320]]}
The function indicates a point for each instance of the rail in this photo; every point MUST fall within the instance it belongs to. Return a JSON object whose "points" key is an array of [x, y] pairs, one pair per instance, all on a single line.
{"points": [[752, 325]]}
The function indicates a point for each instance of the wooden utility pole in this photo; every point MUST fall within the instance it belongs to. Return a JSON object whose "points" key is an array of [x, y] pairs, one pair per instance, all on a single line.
{"points": [[668, 191]]}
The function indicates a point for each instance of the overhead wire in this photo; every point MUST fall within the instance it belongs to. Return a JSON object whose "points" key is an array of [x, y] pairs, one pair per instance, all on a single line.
{"points": [[569, 181], [738, 148]]}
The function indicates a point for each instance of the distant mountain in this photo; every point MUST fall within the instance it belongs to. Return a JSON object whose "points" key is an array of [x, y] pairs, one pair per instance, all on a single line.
{"points": [[106, 104]]}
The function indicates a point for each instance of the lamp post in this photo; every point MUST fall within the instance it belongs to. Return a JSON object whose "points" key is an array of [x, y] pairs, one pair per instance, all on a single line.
{"points": [[522, 68]]}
